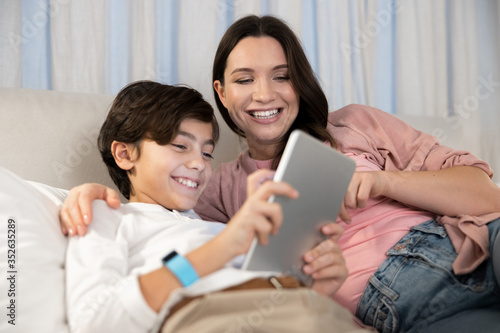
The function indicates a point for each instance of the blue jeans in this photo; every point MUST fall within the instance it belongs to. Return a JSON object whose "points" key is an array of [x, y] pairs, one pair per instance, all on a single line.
{"points": [[415, 286]]}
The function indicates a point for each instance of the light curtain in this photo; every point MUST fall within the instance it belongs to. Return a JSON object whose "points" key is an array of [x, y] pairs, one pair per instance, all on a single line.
{"points": [[431, 59]]}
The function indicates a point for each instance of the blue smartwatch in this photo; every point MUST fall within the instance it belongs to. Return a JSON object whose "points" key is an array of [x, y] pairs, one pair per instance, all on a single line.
{"points": [[181, 268]]}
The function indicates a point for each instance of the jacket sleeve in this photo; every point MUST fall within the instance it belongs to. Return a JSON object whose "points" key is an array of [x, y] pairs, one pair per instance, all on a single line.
{"points": [[393, 144], [227, 190], [102, 296], [210, 206]]}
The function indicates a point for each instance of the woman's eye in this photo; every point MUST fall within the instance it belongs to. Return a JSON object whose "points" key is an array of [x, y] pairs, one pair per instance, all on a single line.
{"points": [[243, 81], [282, 78]]}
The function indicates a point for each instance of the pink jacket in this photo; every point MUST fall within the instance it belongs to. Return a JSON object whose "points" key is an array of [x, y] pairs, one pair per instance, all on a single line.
{"points": [[388, 142]]}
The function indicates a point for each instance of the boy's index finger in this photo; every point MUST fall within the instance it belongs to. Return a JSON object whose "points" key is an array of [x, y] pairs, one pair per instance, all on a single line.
{"points": [[256, 179], [269, 189]]}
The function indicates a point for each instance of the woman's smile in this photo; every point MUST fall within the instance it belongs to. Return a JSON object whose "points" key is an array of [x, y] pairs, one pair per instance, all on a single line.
{"points": [[272, 114]]}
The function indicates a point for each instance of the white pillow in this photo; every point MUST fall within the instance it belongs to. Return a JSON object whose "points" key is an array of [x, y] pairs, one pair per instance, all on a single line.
{"points": [[32, 289]]}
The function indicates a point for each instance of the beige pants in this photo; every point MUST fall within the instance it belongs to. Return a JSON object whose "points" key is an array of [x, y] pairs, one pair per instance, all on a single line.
{"points": [[262, 310]]}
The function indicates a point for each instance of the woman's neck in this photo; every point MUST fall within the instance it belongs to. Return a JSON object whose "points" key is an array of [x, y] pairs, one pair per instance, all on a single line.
{"points": [[261, 150], [261, 154]]}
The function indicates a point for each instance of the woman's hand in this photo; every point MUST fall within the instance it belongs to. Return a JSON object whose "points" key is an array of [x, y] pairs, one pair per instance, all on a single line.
{"points": [[325, 262], [76, 212], [363, 186], [257, 216]]}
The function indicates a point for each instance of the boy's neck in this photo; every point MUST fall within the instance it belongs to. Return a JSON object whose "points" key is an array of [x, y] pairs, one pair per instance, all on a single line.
{"points": [[134, 200]]}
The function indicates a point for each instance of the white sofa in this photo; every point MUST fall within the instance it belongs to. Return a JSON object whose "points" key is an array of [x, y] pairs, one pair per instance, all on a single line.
{"points": [[49, 137]]}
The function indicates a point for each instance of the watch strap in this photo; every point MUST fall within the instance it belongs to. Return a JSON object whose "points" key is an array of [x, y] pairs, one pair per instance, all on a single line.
{"points": [[181, 268]]}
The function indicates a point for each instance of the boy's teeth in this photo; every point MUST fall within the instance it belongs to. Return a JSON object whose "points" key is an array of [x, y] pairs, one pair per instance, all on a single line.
{"points": [[187, 182], [265, 114]]}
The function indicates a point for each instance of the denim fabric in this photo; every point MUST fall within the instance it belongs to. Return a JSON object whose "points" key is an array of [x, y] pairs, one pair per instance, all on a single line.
{"points": [[415, 286]]}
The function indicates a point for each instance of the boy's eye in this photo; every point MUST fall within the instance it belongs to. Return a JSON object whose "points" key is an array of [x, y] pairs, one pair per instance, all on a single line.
{"points": [[176, 145], [208, 156]]}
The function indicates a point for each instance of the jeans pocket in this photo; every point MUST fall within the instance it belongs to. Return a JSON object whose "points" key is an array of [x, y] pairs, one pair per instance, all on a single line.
{"points": [[429, 243]]}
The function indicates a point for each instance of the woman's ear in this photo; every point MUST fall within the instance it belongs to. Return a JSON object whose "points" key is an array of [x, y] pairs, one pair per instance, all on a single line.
{"points": [[219, 88], [123, 154]]}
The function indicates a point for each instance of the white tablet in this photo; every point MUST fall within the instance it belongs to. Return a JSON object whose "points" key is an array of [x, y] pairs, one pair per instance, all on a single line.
{"points": [[321, 174]]}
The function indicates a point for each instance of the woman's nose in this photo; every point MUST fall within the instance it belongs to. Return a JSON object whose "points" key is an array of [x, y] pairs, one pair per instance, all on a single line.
{"points": [[264, 92]]}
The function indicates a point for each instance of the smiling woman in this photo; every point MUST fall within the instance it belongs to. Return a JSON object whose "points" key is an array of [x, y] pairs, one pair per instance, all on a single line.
{"points": [[398, 169], [258, 94], [260, 66]]}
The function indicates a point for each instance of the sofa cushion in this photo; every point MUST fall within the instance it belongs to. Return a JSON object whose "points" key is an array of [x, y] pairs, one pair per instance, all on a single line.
{"points": [[32, 254], [486, 320]]}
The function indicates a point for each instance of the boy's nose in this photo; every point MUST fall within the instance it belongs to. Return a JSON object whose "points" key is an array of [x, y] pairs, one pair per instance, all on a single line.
{"points": [[196, 161]]}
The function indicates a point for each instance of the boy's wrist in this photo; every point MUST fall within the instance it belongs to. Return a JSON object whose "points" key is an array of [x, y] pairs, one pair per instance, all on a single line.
{"points": [[181, 267], [211, 256], [226, 243]]}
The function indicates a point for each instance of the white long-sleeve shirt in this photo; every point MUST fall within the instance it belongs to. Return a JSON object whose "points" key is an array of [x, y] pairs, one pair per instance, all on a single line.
{"points": [[102, 268]]}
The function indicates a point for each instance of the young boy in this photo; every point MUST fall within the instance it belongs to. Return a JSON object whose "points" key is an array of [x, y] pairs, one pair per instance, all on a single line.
{"points": [[127, 273]]}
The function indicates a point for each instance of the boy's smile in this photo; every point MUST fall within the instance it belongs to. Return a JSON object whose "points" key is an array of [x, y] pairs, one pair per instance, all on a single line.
{"points": [[174, 175]]}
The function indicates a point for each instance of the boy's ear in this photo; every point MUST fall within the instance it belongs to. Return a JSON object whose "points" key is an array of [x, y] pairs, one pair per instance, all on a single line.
{"points": [[123, 154], [219, 88]]}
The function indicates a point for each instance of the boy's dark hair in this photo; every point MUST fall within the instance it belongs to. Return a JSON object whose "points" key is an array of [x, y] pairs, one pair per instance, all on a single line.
{"points": [[152, 111]]}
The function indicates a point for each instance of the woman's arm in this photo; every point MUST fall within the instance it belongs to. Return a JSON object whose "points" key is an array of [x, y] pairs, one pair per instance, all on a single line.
{"points": [[418, 171], [76, 212], [453, 191]]}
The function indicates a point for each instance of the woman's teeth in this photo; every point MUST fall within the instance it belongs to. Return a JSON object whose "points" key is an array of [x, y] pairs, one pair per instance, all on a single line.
{"points": [[265, 114], [187, 182]]}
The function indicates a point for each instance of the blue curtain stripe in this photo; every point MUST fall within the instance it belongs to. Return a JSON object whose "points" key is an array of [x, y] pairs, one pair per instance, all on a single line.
{"points": [[310, 33], [167, 40], [119, 49], [36, 55], [265, 7], [225, 16], [385, 74]]}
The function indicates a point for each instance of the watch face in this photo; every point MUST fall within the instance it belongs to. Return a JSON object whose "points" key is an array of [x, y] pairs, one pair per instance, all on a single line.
{"points": [[169, 256]]}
